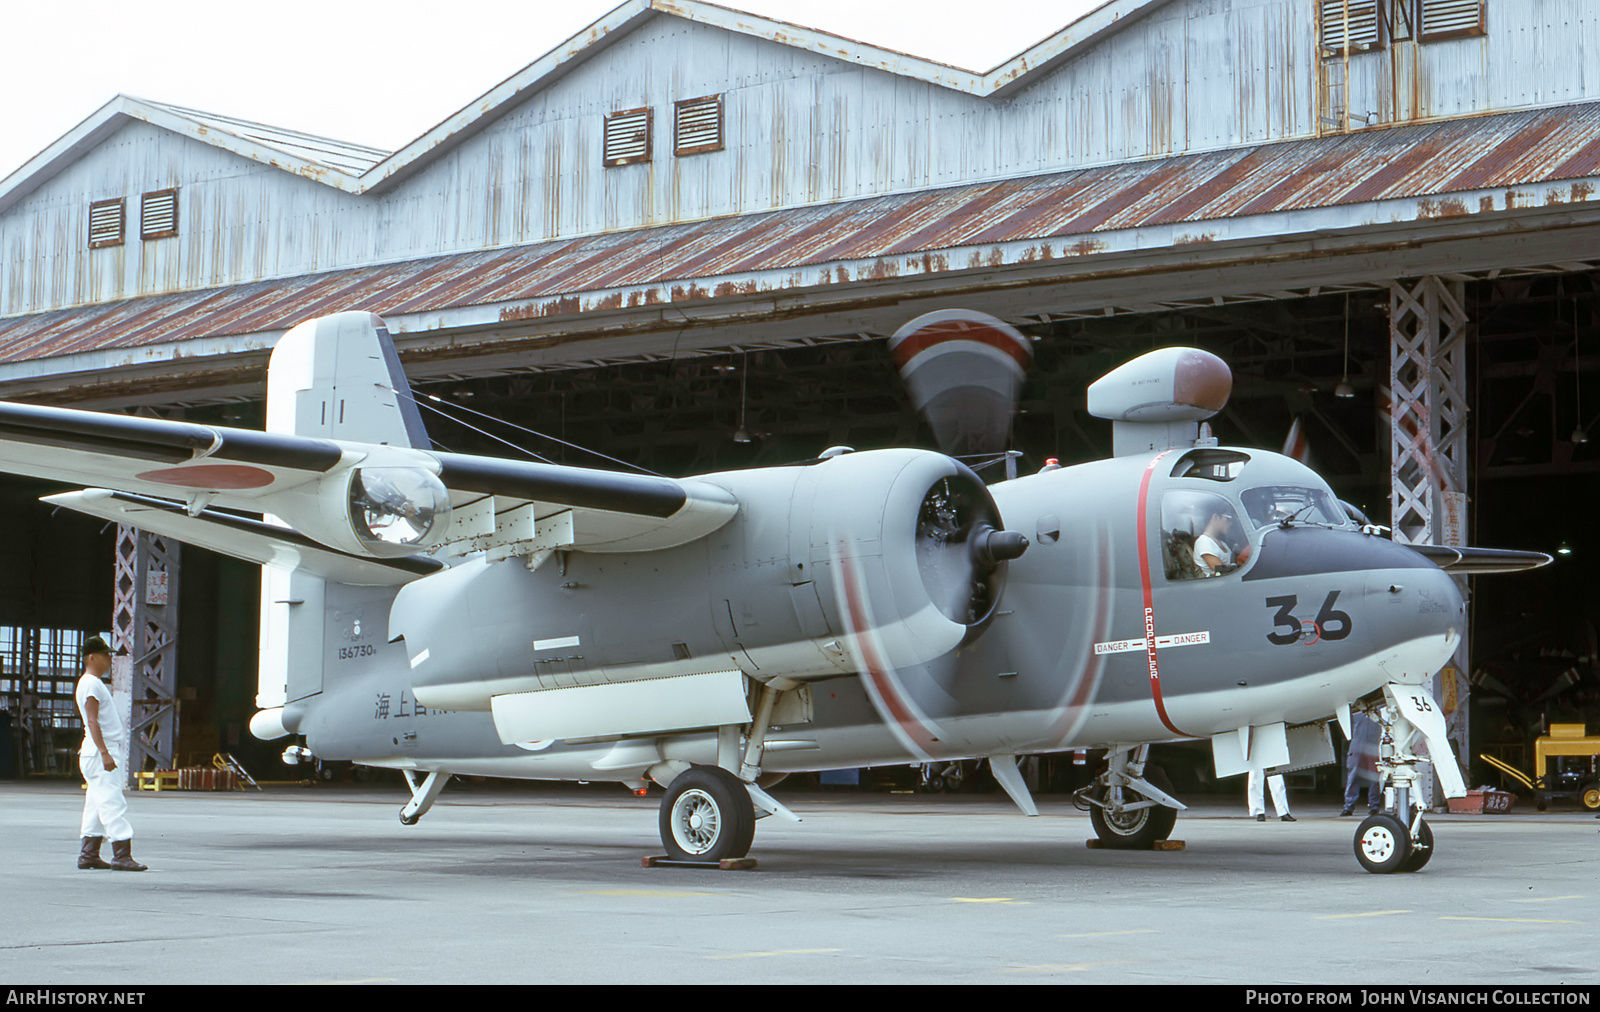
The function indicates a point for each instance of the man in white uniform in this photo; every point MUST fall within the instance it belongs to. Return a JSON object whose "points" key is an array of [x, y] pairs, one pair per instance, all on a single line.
{"points": [[1280, 797], [105, 736]]}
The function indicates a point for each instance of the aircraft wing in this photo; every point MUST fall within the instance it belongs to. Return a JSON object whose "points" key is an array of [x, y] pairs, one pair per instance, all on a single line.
{"points": [[495, 505], [244, 538], [1478, 561]]}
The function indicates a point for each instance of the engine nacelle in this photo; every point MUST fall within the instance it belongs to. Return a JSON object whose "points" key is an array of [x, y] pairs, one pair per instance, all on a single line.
{"points": [[913, 549]]}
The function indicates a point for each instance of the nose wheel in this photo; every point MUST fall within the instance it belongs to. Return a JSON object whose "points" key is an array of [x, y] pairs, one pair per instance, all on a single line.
{"points": [[1384, 845]]}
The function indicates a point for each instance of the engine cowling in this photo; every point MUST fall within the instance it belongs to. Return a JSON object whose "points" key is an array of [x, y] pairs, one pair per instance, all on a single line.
{"points": [[914, 549]]}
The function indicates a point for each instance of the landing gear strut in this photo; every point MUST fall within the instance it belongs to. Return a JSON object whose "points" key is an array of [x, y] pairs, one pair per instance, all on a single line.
{"points": [[1127, 811], [424, 793]]}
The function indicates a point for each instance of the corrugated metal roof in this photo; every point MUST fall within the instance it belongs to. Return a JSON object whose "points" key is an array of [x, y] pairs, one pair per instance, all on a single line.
{"points": [[1061, 212], [352, 159]]}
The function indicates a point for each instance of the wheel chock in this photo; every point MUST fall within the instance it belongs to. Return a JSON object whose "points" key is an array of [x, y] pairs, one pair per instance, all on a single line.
{"points": [[1095, 843], [726, 864]]}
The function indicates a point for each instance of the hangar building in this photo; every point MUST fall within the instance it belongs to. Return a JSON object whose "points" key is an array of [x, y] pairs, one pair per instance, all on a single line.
{"points": [[679, 237]]}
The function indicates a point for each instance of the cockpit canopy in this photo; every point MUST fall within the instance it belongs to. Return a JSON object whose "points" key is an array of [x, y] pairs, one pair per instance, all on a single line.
{"points": [[1211, 526]]}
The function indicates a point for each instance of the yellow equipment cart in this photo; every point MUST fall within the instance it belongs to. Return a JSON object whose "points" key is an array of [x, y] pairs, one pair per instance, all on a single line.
{"points": [[1576, 773]]}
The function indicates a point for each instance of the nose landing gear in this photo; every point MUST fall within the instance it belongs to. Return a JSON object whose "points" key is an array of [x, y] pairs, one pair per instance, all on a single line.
{"points": [[1397, 839]]}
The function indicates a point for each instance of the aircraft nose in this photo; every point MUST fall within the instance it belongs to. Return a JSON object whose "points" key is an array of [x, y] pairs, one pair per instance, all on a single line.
{"points": [[1422, 608]]}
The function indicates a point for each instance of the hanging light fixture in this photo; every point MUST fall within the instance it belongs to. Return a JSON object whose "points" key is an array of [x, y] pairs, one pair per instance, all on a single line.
{"points": [[1579, 437], [1344, 389], [742, 434]]}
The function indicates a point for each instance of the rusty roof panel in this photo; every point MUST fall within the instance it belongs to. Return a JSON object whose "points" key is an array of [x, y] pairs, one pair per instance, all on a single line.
{"points": [[1421, 161]]}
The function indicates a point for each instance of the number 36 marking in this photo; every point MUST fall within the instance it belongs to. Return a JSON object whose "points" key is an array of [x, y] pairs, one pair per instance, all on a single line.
{"points": [[1330, 623]]}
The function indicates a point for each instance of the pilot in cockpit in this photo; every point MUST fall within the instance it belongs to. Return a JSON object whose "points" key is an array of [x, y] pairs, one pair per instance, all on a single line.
{"points": [[1213, 549]]}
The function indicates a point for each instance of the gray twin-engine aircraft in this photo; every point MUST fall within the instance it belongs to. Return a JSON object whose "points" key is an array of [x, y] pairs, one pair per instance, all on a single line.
{"points": [[442, 614]]}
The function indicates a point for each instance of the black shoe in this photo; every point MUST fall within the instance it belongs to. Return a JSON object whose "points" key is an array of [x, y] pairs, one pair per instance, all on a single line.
{"points": [[1287, 818], [1262, 817], [1347, 811]]}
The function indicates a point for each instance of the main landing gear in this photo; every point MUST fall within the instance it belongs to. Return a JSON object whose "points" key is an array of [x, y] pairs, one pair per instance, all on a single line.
{"points": [[709, 813], [1127, 810]]}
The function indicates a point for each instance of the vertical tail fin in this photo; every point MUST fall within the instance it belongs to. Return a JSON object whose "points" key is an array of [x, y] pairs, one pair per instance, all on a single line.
{"points": [[339, 377]]}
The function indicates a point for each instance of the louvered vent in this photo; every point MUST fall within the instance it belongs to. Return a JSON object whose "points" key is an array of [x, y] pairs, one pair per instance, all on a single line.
{"points": [[1450, 19], [158, 214], [105, 223], [697, 125], [627, 137], [1362, 25]]}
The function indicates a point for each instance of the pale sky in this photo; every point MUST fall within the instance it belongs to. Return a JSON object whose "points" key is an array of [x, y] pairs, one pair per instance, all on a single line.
{"points": [[382, 74]]}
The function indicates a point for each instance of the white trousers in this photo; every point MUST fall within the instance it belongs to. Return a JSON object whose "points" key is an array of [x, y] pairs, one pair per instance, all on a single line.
{"points": [[105, 809], [1280, 799]]}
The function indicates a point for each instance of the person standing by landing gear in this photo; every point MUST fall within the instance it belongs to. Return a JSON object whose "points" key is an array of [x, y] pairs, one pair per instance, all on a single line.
{"points": [[105, 735], [1280, 796]]}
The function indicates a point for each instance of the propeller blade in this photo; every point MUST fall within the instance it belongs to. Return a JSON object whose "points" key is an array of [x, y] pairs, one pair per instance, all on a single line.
{"points": [[964, 370]]}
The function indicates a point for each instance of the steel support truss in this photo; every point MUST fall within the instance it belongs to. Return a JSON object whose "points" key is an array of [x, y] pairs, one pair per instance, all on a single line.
{"points": [[1427, 407], [145, 624]]}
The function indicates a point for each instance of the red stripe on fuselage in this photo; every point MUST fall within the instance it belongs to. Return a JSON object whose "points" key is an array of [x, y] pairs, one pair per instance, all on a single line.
{"points": [[1149, 598]]}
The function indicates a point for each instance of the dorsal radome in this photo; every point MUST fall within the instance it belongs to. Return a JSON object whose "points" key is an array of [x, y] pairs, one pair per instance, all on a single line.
{"points": [[1157, 401]]}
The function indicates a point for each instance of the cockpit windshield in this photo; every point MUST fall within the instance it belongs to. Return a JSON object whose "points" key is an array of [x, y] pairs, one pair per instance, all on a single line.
{"points": [[1268, 505]]}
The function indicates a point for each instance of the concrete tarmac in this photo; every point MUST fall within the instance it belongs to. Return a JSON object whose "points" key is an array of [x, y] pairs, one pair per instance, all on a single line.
{"points": [[544, 884]]}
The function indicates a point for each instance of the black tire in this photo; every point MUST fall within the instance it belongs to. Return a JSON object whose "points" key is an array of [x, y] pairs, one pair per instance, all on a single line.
{"points": [[1421, 851], [1139, 829], [1382, 844], [707, 815]]}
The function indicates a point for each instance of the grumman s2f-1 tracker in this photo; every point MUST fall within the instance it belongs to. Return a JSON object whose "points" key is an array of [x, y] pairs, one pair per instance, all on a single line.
{"points": [[443, 614]]}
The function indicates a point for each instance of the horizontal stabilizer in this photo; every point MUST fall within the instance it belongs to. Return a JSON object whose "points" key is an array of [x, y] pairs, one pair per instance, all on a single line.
{"points": [[243, 538]]}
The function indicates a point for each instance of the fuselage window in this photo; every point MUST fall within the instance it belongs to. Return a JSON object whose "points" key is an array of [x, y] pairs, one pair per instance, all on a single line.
{"points": [[1277, 504], [1215, 465], [1200, 536]]}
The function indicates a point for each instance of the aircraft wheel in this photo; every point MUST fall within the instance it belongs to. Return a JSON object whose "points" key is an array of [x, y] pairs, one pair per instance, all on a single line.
{"points": [[1382, 844], [707, 815], [1591, 796], [408, 820], [1421, 851], [1135, 830]]}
